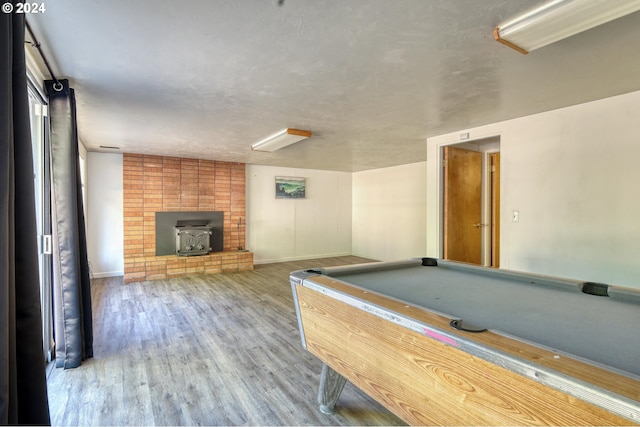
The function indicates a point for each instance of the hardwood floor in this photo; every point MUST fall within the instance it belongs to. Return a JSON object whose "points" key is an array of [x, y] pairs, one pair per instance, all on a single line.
{"points": [[202, 350]]}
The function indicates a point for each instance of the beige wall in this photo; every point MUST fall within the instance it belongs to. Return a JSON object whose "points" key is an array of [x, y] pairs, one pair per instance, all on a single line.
{"points": [[288, 229], [573, 176], [389, 210], [104, 214]]}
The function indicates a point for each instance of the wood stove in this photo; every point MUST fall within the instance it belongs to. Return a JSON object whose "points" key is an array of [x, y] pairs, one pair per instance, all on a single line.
{"points": [[193, 237], [169, 224]]}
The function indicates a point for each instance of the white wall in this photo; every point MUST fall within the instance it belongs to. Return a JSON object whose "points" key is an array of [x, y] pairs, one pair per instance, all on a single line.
{"points": [[573, 175], [104, 214], [290, 229], [389, 211]]}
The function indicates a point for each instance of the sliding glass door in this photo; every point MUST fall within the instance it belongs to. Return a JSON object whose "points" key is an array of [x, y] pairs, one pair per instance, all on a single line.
{"points": [[42, 187]]}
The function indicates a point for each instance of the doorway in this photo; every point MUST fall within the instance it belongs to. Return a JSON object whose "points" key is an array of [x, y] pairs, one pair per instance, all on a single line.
{"points": [[471, 202]]}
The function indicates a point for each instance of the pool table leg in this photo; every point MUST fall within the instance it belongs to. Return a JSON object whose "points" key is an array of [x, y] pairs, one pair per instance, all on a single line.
{"points": [[331, 385]]}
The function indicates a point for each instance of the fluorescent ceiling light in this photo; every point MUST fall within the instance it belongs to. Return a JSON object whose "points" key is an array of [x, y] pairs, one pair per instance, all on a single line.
{"points": [[281, 139], [558, 19]]}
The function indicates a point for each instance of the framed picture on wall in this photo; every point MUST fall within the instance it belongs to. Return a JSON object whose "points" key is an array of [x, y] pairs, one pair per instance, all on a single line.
{"points": [[290, 187]]}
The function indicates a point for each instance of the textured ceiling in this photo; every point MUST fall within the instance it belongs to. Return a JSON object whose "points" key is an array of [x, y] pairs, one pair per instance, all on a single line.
{"points": [[372, 79]]}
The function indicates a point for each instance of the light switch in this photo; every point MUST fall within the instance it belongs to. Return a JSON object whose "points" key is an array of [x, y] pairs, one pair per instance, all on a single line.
{"points": [[515, 216]]}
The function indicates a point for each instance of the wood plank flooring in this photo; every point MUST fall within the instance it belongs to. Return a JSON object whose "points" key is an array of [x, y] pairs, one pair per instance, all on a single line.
{"points": [[202, 350]]}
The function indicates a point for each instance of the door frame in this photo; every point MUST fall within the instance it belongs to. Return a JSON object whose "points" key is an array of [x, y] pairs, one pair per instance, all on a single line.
{"points": [[487, 145], [487, 201]]}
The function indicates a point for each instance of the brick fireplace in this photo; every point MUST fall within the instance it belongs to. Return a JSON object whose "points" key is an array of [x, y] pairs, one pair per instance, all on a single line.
{"points": [[165, 184]]}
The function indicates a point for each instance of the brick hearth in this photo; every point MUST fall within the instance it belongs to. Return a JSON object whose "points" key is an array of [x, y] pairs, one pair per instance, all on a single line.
{"points": [[168, 266]]}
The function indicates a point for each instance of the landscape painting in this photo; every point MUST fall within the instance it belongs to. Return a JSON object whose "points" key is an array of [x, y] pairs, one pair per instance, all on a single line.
{"points": [[290, 188]]}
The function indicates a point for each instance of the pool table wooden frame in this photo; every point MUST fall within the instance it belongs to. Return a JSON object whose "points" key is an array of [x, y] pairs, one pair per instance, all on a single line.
{"points": [[411, 361]]}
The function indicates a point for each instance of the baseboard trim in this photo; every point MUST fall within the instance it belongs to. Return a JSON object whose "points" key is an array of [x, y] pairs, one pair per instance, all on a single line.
{"points": [[299, 258], [107, 274]]}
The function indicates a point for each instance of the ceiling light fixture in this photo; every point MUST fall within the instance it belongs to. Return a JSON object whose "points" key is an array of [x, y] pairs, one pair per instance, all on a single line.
{"points": [[281, 139], [558, 19]]}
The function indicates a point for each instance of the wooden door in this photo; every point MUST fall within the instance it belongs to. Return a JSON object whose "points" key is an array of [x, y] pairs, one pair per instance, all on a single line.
{"points": [[495, 210], [462, 205]]}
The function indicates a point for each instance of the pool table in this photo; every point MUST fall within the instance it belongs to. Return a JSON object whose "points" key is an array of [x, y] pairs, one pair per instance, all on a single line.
{"points": [[446, 343]]}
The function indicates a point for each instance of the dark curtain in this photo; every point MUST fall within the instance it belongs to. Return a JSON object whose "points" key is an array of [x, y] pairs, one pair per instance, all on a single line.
{"points": [[23, 388], [73, 328]]}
